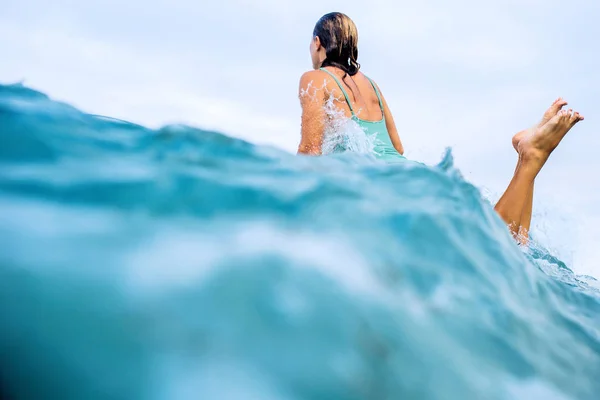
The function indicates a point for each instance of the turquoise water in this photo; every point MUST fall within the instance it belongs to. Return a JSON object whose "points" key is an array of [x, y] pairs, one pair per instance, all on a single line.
{"points": [[184, 264]]}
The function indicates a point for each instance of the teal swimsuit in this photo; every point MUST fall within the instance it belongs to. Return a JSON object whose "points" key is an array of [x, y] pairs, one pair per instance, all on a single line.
{"points": [[376, 130]]}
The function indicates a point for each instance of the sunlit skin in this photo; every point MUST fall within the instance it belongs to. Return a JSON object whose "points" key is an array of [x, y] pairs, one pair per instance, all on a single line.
{"points": [[534, 149], [525, 223]]}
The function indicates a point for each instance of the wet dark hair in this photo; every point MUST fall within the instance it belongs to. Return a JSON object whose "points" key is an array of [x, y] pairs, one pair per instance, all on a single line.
{"points": [[339, 37]]}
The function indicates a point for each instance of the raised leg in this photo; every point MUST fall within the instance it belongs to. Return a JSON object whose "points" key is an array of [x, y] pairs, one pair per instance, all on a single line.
{"points": [[526, 216], [512, 203], [524, 223], [534, 150]]}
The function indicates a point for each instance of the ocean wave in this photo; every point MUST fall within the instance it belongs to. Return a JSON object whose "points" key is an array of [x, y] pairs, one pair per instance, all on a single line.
{"points": [[179, 263]]}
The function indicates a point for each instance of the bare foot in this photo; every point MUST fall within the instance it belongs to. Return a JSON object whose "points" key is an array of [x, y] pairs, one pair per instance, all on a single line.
{"points": [[550, 112], [546, 138], [519, 136], [553, 110]]}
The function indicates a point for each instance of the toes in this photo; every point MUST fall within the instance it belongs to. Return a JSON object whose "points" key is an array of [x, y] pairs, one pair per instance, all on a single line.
{"points": [[560, 103], [574, 118], [569, 114]]}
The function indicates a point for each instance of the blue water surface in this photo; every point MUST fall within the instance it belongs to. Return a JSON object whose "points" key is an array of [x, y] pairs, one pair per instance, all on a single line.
{"points": [[184, 264]]}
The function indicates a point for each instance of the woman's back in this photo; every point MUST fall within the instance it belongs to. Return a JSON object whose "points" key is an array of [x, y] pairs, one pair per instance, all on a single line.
{"points": [[361, 95]]}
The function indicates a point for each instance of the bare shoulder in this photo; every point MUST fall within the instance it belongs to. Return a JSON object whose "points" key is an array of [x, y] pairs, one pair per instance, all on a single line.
{"points": [[312, 74], [313, 77], [313, 81]]}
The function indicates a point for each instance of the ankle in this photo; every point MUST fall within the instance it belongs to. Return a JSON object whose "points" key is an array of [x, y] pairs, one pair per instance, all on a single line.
{"points": [[530, 155]]}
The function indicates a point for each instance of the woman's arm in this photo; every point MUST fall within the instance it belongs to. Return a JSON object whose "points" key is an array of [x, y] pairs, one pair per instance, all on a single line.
{"points": [[391, 126], [312, 100]]}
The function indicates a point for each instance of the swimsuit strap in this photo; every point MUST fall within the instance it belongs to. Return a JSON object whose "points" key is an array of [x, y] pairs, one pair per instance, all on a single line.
{"points": [[341, 88], [377, 93]]}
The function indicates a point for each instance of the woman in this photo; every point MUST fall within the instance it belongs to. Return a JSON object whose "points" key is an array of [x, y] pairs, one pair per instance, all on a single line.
{"points": [[334, 53]]}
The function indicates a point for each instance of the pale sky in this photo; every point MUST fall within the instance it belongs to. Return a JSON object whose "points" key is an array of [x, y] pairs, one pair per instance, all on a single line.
{"points": [[466, 74]]}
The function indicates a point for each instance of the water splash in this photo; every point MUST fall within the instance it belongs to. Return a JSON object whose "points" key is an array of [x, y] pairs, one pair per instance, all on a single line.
{"points": [[341, 133]]}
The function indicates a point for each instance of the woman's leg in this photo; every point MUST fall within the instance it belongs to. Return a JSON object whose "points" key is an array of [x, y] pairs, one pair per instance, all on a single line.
{"points": [[512, 203], [526, 217], [534, 150], [524, 223]]}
